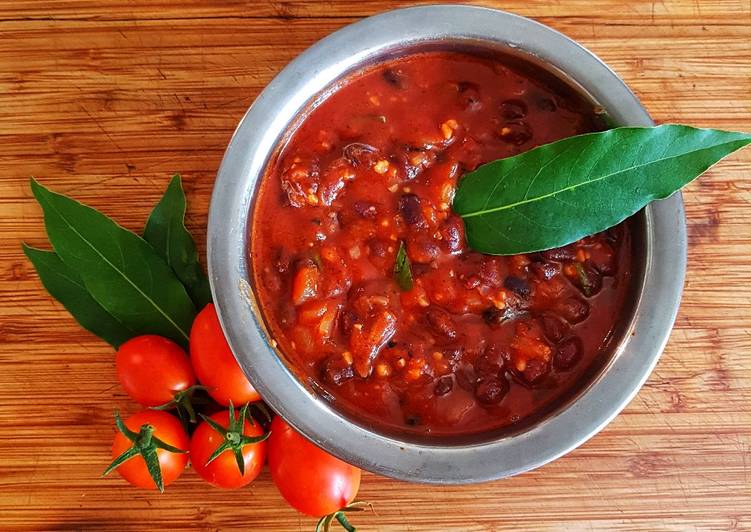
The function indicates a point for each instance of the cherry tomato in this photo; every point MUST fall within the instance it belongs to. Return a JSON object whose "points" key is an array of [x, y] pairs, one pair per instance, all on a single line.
{"points": [[152, 369], [223, 471], [169, 430], [214, 363], [311, 480]]}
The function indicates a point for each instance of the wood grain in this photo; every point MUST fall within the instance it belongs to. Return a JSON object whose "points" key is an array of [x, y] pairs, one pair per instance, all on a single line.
{"points": [[105, 100]]}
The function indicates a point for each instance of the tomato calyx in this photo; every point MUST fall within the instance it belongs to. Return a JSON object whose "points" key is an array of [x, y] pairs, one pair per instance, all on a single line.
{"points": [[234, 437], [182, 401], [324, 524], [145, 444]]}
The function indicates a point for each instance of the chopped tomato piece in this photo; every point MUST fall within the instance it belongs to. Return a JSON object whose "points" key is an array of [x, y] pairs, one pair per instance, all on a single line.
{"points": [[368, 339], [305, 283]]}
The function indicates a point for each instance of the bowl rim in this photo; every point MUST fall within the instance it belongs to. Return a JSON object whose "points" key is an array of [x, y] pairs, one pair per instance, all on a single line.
{"points": [[245, 160]]}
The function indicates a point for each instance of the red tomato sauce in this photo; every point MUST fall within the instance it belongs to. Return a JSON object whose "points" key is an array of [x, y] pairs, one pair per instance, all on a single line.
{"points": [[479, 342]]}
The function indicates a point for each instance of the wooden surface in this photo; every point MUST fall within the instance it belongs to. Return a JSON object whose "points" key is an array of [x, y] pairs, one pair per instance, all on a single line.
{"points": [[105, 99]]}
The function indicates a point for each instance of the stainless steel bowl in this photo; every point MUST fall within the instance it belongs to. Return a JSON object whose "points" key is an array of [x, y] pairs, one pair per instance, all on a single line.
{"points": [[633, 351]]}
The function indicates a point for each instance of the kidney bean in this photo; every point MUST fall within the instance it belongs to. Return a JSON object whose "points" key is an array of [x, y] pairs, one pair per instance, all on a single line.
{"points": [[443, 385], [491, 390], [412, 420], [546, 104], [573, 310], [491, 271], [440, 321], [516, 132], [494, 316], [378, 248], [471, 282], [517, 285], [534, 371], [365, 209], [286, 313], [335, 370], [409, 207], [332, 182], [469, 95], [545, 270], [452, 354], [568, 353], [283, 260], [347, 319], [559, 254], [513, 109], [602, 257], [272, 281], [394, 77], [359, 154], [452, 233], [555, 328], [297, 179], [422, 250], [488, 365], [466, 378]]}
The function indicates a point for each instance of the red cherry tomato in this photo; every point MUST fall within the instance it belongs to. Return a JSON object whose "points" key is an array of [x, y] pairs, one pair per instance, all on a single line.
{"points": [[169, 430], [152, 369], [223, 471], [214, 363], [311, 480]]}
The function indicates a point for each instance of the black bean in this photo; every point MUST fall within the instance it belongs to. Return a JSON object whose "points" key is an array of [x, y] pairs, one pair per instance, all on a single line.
{"points": [[517, 285], [513, 109], [443, 385], [441, 322], [568, 353], [491, 390], [409, 207]]}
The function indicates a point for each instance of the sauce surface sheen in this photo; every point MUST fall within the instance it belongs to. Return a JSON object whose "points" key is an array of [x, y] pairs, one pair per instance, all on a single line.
{"points": [[479, 342]]}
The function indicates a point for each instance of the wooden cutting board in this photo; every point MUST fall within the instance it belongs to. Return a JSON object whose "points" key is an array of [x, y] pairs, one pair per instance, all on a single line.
{"points": [[105, 100]]}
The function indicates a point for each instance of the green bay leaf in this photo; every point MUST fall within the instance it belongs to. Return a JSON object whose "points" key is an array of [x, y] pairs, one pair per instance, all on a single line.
{"points": [[560, 192], [121, 271], [166, 232], [65, 285], [403, 269]]}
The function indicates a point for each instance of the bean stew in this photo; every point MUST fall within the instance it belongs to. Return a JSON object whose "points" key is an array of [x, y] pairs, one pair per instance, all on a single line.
{"points": [[473, 342]]}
